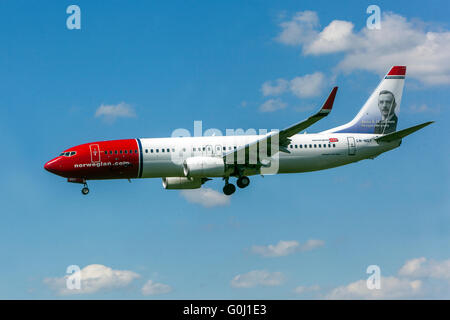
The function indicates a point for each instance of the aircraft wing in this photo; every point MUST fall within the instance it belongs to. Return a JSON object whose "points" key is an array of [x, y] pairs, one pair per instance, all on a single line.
{"points": [[281, 138]]}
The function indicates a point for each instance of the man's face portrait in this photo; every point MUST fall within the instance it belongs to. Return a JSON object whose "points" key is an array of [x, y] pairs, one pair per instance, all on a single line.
{"points": [[386, 104]]}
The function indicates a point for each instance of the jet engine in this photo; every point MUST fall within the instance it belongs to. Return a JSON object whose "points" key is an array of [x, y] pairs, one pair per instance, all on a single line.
{"points": [[204, 167], [181, 183]]}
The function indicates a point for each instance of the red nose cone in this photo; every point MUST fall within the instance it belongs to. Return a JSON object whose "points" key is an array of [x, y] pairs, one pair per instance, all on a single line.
{"points": [[52, 166]]}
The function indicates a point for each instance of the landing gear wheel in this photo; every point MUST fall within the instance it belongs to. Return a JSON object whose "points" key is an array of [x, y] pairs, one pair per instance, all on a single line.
{"points": [[85, 190], [243, 182], [229, 189]]}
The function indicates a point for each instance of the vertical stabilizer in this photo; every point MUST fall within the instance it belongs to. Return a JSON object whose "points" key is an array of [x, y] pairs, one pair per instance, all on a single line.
{"points": [[379, 115]]}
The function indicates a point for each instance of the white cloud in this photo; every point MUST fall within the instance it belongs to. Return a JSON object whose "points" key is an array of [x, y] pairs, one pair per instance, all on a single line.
{"points": [[337, 36], [301, 29], [206, 197], [272, 90], [423, 108], [111, 112], [312, 244], [94, 278], [257, 278], [284, 248], [308, 86], [417, 278], [391, 288], [423, 268], [272, 105], [305, 289], [399, 42], [155, 288]]}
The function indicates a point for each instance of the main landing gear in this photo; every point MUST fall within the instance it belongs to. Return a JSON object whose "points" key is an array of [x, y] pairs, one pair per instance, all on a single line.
{"points": [[243, 182], [229, 188]]}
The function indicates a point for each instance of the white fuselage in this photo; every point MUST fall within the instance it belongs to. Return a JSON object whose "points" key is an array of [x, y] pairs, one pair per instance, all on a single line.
{"points": [[163, 157]]}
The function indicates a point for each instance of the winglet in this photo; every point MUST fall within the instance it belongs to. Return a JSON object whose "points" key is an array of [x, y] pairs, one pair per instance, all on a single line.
{"points": [[328, 105]]}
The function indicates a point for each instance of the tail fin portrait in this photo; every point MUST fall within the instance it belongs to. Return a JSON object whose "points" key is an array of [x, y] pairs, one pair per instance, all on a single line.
{"points": [[379, 115]]}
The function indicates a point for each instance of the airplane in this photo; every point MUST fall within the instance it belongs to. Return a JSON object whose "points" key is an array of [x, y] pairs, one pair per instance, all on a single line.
{"points": [[189, 162]]}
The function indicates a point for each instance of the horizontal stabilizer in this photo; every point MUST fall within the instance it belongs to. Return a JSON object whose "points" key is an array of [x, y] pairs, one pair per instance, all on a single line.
{"points": [[402, 133]]}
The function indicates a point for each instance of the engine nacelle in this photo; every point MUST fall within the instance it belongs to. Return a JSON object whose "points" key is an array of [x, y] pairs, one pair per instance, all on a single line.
{"points": [[202, 167], [181, 183]]}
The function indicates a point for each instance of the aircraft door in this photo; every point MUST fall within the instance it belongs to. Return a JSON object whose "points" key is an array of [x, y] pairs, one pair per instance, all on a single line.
{"points": [[95, 153], [351, 146]]}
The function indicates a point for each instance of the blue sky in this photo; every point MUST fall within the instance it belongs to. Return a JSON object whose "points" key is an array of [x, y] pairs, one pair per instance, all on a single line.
{"points": [[173, 63]]}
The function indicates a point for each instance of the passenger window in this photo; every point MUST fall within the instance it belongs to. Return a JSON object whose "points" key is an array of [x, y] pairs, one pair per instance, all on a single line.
{"points": [[110, 152], [162, 150], [295, 146], [310, 145], [315, 146], [320, 146], [203, 148], [72, 153], [300, 146], [67, 154], [157, 150], [120, 151], [146, 150], [224, 148], [125, 151], [291, 146], [168, 150], [173, 149], [151, 150], [334, 145], [115, 151], [195, 149], [135, 151], [106, 152]]}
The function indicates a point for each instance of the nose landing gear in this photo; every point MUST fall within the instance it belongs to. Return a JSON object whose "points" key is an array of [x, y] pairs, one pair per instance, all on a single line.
{"points": [[85, 189]]}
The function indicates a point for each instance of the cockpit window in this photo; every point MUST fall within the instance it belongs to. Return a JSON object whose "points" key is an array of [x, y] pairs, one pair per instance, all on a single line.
{"points": [[68, 153]]}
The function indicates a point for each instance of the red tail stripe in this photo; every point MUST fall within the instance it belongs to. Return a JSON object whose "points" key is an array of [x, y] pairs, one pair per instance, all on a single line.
{"points": [[397, 71]]}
